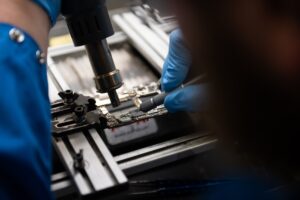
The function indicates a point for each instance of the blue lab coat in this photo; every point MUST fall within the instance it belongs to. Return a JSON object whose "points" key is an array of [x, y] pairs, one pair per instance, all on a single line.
{"points": [[25, 143]]}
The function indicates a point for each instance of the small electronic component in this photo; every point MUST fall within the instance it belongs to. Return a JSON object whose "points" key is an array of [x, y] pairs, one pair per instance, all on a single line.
{"points": [[160, 98], [76, 112]]}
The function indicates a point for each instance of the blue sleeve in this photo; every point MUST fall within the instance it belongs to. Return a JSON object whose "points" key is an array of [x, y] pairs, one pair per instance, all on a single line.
{"points": [[25, 139]]}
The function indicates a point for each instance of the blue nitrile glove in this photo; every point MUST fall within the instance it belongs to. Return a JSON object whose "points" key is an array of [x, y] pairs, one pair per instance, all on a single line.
{"points": [[51, 7], [175, 69]]}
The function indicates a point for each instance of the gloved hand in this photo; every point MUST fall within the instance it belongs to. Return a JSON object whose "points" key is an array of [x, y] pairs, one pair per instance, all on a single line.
{"points": [[51, 7], [191, 98]]}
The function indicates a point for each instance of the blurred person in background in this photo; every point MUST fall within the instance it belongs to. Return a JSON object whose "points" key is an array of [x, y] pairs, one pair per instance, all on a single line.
{"points": [[250, 52]]}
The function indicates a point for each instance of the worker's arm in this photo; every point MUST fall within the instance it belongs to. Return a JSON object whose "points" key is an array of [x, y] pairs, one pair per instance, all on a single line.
{"points": [[25, 143], [175, 70]]}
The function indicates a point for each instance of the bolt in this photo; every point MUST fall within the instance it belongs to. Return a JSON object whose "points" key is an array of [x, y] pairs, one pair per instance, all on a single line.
{"points": [[78, 160], [92, 104], [69, 94], [79, 111]]}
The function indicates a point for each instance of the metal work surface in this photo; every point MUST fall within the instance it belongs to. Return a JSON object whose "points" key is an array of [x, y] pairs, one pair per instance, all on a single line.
{"points": [[160, 154], [98, 144], [147, 158], [76, 70], [78, 139], [77, 112], [89, 162]]}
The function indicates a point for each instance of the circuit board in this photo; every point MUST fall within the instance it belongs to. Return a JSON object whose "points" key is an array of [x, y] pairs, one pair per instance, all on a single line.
{"points": [[75, 112]]}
